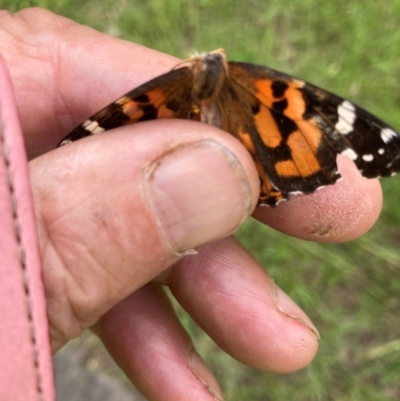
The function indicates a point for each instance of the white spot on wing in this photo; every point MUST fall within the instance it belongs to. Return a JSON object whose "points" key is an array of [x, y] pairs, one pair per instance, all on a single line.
{"points": [[350, 153], [93, 127], [387, 135], [368, 158], [381, 151], [347, 116], [298, 83]]}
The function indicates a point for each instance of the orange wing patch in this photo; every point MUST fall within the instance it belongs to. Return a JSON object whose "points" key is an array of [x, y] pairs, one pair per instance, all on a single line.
{"points": [[265, 93], [245, 138], [304, 161], [267, 128]]}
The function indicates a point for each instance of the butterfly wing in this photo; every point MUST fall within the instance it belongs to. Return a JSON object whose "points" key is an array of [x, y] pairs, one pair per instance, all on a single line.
{"points": [[167, 96], [293, 130], [298, 129]]}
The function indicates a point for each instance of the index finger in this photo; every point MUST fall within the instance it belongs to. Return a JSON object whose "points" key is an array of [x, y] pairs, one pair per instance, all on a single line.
{"points": [[73, 72]]}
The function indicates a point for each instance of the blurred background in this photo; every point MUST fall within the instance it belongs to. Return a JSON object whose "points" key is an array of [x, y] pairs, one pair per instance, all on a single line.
{"points": [[351, 291]]}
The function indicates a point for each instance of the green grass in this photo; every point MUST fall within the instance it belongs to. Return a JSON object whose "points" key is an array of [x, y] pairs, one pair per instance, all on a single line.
{"points": [[351, 291]]}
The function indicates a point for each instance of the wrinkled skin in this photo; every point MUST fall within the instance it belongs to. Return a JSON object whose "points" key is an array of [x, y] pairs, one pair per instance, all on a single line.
{"points": [[118, 218]]}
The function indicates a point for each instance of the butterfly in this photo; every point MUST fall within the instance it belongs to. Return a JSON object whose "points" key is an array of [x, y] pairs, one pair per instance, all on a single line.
{"points": [[292, 129]]}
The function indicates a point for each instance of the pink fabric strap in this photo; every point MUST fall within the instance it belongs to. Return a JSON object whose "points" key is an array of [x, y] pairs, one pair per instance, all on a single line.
{"points": [[26, 371]]}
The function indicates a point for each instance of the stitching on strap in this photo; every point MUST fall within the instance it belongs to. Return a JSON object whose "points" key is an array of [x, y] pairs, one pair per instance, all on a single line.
{"points": [[22, 262]]}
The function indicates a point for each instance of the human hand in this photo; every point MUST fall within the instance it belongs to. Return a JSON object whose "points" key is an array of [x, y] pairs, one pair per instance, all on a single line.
{"points": [[116, 213]]}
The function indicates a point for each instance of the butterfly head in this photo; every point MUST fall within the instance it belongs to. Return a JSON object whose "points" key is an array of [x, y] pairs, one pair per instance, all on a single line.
{"points": [[209, 71]]}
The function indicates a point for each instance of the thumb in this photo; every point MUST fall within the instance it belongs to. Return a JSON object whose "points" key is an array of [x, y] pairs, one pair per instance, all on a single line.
{"points": [[116, 209]]}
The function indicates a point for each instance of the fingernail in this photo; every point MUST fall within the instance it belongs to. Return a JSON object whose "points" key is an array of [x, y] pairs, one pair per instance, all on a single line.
{"points": [[290, 309], [199, 193], [204, 375]]}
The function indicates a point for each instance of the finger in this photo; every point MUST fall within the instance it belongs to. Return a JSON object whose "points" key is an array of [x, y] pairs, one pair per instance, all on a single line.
{"points": [[73, 72], [268, 331], [145, 338], [336, 213], [110, 218]]}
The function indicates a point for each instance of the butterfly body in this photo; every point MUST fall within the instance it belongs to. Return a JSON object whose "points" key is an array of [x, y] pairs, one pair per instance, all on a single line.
{"points": [[292, 129]]}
